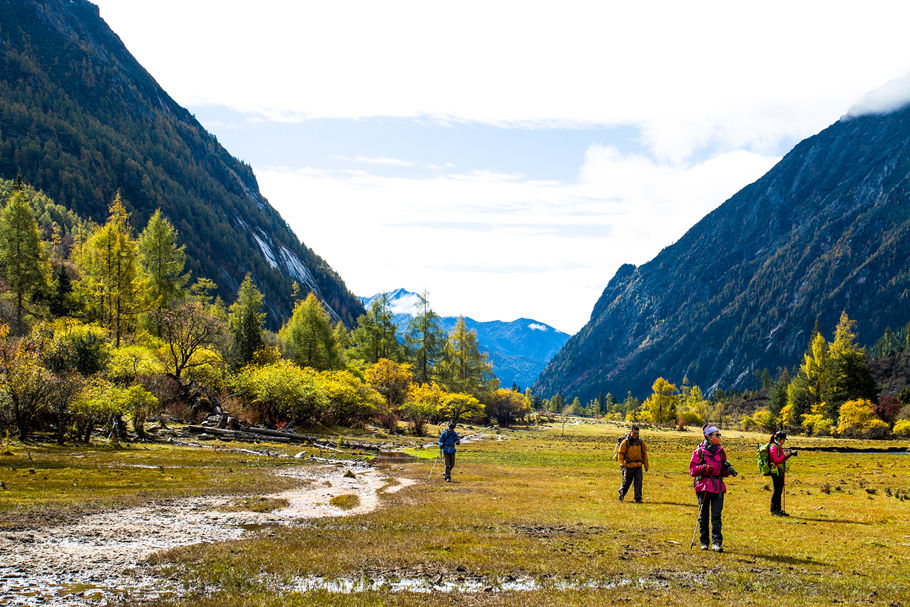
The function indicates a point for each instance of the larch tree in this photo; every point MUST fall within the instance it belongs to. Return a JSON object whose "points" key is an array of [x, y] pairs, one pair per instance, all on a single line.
{"points": [[23, 263], [308, 337], [112, 283], [163, 261], [425, 341], [245, 320], [466, 368], [374, 338], [663, 403]]}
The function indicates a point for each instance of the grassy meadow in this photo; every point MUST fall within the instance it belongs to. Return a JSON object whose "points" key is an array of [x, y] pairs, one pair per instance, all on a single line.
{"points": [[529, 505]]}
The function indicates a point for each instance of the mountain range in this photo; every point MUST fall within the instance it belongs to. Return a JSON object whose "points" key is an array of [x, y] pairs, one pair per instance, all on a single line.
{"points": [[81, 119], [517, 350], [826, 230]]}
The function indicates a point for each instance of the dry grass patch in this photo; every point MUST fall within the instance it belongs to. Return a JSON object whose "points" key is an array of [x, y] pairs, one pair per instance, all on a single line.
{"points": [[346, 501]]}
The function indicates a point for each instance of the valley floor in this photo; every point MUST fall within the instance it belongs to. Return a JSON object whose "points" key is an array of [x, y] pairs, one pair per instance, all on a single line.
{"points": [[531, 519]]}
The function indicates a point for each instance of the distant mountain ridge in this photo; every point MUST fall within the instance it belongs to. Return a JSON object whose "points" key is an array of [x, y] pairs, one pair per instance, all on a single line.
{"points": [[827, 229], [518, 350], [81, 119]]}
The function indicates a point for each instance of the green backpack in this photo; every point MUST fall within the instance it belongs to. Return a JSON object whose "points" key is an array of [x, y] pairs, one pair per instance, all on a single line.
{"points": [[763, 459]]}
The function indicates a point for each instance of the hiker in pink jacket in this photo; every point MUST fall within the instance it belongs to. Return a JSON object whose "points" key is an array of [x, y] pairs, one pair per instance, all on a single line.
{"points": [[779, 457], [709, 466]]}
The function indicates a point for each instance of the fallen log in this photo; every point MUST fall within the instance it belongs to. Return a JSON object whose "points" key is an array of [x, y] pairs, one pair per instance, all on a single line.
{"points": [[256, 433]]}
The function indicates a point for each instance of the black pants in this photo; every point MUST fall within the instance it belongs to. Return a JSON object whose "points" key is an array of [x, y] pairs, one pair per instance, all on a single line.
{"points": [[630, 476], [778, 481], [450, 463], [710, 506]]}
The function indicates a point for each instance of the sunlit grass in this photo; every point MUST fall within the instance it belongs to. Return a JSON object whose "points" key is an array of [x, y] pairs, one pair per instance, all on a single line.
{"points": [[541, 503], [536, 503]]}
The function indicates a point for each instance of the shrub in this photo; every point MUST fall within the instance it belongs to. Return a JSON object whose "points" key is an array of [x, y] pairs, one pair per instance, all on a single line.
{"points": [[817, 424], [281, 391], [902, 427], [350, 402], [76, 346], [887, 408], [692, 418], [132, 363], [854, 417]]}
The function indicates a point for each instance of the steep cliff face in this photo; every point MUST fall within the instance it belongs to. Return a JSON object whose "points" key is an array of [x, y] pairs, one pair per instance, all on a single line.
{"points": [[826, 230], [81, 119]]}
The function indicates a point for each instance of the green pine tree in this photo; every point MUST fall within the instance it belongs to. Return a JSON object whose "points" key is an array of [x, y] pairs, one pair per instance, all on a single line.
{"points": [[245, 322], [23, 263]]}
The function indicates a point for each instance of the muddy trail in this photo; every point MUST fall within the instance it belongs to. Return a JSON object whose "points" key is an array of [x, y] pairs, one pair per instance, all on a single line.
{"points": [[101, 558]]}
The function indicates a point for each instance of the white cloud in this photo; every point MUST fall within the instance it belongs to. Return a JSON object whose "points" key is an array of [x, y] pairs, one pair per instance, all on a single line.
{"points": [[537, 327], [379, 161], [734, 73], [485, 239], [887, 98]]}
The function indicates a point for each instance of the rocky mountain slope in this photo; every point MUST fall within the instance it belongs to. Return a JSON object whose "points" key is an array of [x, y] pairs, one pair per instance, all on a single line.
{"points": [[81, 119], [827, 229]]}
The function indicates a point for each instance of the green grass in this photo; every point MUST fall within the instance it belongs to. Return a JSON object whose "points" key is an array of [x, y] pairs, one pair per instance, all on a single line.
{"points": [[541, 504]]}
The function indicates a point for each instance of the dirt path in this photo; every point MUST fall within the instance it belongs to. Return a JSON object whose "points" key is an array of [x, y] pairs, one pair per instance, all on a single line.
{"points": [[100, 558]]}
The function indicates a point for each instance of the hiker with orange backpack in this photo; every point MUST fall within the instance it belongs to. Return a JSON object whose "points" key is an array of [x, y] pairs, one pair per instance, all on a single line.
{"points": [[633, 457], [709, 466], [778, 456]]}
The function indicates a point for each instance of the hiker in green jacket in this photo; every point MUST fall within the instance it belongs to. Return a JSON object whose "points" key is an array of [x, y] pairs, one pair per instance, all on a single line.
{"points": [[633, 458]]}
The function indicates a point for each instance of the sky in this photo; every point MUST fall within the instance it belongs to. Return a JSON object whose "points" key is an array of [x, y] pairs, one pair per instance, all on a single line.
{"points": [[508, 157]]}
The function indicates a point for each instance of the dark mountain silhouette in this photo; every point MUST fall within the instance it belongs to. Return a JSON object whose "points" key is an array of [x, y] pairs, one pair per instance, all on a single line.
{"points": [[827, 229], [80, 119]]}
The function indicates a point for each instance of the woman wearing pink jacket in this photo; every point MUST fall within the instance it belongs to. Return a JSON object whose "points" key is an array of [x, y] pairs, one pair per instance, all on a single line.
{"points": [[709, 466], [779, 457]]}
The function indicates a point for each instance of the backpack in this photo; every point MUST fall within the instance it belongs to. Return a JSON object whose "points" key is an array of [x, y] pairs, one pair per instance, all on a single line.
{"points": [[618, 443], [763, 459]]}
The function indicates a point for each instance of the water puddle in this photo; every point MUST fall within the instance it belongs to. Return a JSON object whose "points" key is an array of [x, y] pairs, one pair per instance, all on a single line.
{"points": [[426, 585]]}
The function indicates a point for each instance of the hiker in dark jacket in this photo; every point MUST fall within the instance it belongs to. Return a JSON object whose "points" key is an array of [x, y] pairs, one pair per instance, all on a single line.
{"points": [[779, 457], [447, 441], [709, 466], [633, 458]]}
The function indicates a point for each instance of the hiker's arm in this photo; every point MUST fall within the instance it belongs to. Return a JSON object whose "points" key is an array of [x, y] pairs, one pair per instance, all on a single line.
{"points": [[777, 455], [621, 454]]}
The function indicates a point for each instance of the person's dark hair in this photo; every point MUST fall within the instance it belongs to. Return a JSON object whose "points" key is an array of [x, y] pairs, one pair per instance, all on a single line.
{"points": [[780, 434], [451, 425], [704, 427], [634, 428]]}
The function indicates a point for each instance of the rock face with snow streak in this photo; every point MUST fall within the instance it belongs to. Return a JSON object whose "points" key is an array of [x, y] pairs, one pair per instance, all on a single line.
{"points": [[81, 119]]}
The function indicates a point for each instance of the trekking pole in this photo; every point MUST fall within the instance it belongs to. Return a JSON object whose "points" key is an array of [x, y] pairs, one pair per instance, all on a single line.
{"points": [[434, 465], [697, 522]]}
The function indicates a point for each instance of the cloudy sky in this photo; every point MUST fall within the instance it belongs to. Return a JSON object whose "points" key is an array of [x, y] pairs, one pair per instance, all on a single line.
{"points": [[508, 157]]}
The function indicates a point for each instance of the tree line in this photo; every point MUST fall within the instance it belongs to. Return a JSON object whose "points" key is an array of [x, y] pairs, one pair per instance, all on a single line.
{"points": [[831, 393], [99, 324]]}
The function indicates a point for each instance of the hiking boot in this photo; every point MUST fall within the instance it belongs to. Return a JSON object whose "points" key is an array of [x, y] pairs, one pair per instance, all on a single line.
{"points": [[717, 548], [621, 497], [638, 501], [782, 513], [704, 546]]}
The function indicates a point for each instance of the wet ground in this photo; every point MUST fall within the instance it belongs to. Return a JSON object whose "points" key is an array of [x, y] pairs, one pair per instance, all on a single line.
{"points": [[100, 558]]}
